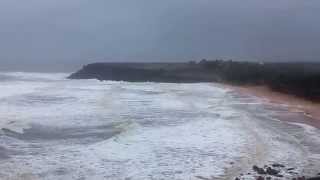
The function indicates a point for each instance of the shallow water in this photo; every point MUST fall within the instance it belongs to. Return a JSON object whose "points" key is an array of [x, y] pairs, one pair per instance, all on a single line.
{"points": [[53, 128]]}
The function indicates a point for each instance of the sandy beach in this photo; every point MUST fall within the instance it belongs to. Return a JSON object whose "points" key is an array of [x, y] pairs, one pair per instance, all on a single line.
{"points": [[299, 109]]}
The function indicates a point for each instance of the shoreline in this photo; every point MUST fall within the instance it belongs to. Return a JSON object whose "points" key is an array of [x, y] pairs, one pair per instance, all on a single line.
{"points": [[290, 110], [299, 110]]}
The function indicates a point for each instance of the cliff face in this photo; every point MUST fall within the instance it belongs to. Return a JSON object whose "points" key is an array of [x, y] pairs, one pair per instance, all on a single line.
{"points": [[143, 72]]}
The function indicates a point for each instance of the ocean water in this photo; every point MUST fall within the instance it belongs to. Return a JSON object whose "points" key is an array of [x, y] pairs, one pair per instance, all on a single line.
{"points": [[55, 128]]}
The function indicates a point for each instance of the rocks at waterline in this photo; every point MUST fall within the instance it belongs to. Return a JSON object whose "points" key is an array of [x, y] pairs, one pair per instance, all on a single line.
{"points": [[258, 170], [277, 165], [275, 172], [314, 178]]}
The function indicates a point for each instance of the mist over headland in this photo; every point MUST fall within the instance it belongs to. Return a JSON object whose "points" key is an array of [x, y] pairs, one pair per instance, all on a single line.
{"points": [[62, 35]]}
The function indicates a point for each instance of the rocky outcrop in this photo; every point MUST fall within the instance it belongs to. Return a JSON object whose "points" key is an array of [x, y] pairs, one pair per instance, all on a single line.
{"points": [[298, 79], [275, 171], [143, 72]]}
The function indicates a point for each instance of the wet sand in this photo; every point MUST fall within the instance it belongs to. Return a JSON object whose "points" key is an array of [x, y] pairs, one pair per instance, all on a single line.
{"points": [[299, 109], [300, 115]]}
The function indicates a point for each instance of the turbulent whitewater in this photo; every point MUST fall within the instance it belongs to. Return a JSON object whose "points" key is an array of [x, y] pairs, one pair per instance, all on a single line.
{"points": [[55, 128]]}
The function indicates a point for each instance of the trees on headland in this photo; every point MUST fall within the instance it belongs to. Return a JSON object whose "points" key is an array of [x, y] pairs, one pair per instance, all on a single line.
{"points": [[300, 79]]}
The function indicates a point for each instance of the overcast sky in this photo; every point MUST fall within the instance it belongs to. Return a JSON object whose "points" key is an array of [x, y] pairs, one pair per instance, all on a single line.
{"points": [[73, 32]]}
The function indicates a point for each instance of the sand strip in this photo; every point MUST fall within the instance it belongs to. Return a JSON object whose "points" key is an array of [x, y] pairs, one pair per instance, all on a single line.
{"points": [[300, 110]]}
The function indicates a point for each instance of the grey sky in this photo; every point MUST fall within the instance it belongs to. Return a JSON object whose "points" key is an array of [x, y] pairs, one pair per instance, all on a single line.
{"points": [[72, 32]]}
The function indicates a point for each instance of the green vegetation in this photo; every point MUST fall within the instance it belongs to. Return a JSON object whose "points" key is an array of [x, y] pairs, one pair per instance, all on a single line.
{"points": [[300, 79]]}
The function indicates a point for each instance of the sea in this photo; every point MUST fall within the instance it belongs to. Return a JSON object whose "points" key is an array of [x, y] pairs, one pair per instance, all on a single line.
{"points": [[54, 128]]}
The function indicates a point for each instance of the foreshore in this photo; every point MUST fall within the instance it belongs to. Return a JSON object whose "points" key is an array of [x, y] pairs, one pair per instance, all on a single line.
{"points": [[299, 110], [286, 108]]}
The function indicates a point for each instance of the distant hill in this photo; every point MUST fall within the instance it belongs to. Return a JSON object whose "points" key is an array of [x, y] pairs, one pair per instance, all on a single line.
{"points": [[300, 79], [142, 72]]}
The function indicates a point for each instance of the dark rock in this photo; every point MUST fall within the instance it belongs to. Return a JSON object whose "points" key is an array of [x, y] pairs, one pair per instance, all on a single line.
{"points": [[277, 165], [301, 178], [260, 178], [259, 170], [237, 178], [278, 175], [290, 169], [314, 178], [272, 172]]}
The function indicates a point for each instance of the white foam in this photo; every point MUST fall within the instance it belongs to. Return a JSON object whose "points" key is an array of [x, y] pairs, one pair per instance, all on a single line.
{"points": [[200, 148], [168, 131]]}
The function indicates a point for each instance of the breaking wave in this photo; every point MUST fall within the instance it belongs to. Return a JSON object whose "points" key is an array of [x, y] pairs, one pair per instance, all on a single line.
{"points": [[76, 129]]}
